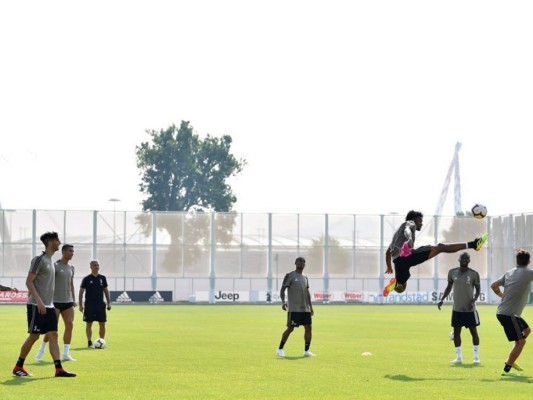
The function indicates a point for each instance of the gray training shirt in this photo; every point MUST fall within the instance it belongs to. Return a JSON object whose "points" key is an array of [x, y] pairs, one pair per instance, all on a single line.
{"points": [[297, 287], [516, 287], [464, 284], [406, 231], [44, 283], [64, 275]]}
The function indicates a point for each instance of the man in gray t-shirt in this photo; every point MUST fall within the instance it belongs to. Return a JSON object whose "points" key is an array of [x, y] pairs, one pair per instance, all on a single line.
{"points": [[299, 307], [466, 289], [63, 300], [40, 311], [516, 285]]}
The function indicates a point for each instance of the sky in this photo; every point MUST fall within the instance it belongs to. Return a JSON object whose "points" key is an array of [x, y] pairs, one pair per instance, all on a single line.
{"points": [[339, 107]]}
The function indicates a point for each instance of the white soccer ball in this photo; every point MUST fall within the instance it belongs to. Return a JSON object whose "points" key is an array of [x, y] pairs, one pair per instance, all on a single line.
{"points": [[479, 211], [451, 335], [100, 343]]}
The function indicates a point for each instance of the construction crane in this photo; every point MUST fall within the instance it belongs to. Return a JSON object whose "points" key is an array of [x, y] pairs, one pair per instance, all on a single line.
{"points": [[455, 171]]}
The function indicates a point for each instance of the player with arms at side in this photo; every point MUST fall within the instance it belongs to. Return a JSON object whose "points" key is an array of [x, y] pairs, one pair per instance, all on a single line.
{"points": [[299, 307], [466, 289], [516, 285], [41, 313], [64, 303], [94, 308], [403, 241]]}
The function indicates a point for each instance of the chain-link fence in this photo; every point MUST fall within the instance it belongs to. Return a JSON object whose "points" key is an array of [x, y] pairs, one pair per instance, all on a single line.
{"points": [[190, 254]]}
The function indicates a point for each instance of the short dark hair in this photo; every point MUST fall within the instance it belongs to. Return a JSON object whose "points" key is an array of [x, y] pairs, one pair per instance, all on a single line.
{"points": [[522, 257], [411, 215], [300, 259], [66, 247], [45, 237]]}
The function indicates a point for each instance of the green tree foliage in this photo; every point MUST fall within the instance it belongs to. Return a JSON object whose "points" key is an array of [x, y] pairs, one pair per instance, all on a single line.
{"points": [[182, 172]]}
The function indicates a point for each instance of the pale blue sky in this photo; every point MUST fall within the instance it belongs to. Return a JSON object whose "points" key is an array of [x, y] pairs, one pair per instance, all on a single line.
{"points": [[338, 106]]}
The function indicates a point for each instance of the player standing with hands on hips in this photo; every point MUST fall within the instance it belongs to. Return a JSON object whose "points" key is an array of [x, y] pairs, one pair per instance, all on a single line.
{"points": [[94, 308], [466, 289], [299, 307]]}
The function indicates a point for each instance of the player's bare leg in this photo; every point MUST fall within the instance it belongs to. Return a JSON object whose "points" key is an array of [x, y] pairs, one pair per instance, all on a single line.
{"points": [[89, 333], [308, 335], [446, 248], [68, 319], [517, 349], [101, 331]]}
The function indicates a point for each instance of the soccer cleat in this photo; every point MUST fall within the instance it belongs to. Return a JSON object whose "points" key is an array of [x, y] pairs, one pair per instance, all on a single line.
{"points": [[61, 373], [476, 360], [390, 287], [517, 367], [480, 241], [19, 371], [280, 353], [405, 251], [458, 360], [309, 354], [510, 373], [68, 357], [90, 345]]}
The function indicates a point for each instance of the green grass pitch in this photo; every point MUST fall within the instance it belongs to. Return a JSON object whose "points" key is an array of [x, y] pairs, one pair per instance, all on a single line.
{"points": [[228, 352]]}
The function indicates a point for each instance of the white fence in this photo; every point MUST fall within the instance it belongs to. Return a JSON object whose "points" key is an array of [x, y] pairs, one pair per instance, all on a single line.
{"points": [[225, 253]]}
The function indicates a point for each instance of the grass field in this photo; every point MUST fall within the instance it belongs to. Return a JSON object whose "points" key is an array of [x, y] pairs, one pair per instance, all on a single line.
{"points": [[228, 352]]}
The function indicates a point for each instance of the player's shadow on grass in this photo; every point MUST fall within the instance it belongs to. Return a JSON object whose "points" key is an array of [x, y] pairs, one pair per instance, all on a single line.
{"points": [[405, 378], [515, 379], [17, 380], [293, 358], [466, 366]]}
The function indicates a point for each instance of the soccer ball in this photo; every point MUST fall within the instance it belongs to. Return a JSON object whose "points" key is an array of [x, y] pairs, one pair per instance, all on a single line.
{"points": [[100, 343], [479, 211], [451, 335]]}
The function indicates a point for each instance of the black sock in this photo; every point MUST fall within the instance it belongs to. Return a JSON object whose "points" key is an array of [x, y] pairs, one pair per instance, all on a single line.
{"points": [[90, 343], [507, 368], [281, 344], [472, 244], [20, 362], [57, 364], [307, 344]]}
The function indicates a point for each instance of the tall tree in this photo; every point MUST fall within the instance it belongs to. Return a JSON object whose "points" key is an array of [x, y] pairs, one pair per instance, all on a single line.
{"points": [[182, 172]]}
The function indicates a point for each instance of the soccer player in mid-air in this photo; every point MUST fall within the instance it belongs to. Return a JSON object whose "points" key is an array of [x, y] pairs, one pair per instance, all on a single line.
{"points": [[402, 253], [466, 288]]}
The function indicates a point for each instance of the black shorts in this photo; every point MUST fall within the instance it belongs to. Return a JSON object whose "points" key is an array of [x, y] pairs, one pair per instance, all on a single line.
{"points": [[41, 323], [93, 312], [468, 319], [403, 264], [513, 326], [63, 306], [295, 319]]}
